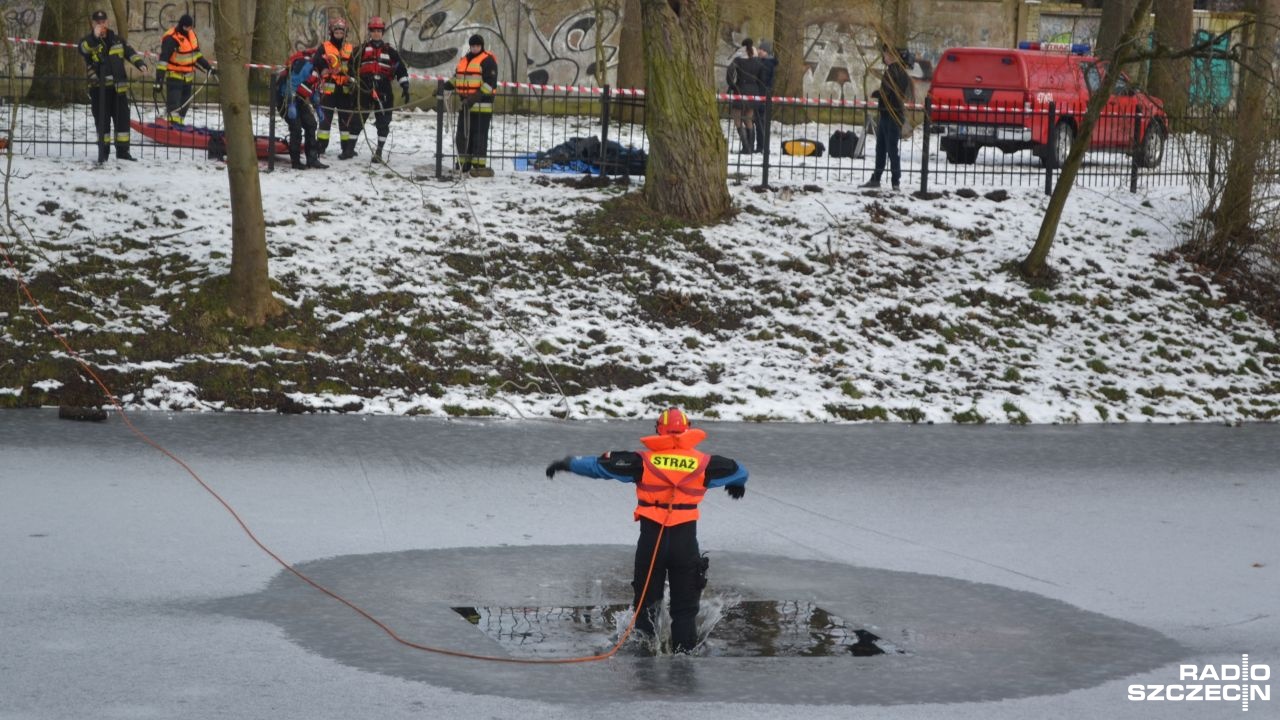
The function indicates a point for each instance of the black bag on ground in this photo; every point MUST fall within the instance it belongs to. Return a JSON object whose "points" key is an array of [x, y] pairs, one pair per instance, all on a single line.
{"points": [[843, 143]]}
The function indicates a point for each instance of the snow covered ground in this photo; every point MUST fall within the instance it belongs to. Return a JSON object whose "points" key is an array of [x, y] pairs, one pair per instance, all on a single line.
{"points": [[510, 297]]}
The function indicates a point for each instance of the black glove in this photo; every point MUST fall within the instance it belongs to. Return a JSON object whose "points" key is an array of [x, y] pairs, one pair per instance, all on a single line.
{"points": [[404, 95], [159, 86], [213, 73], [93, 76], [470, 100], [557, 466], [142, 66], [736, 491], [448, 85]]}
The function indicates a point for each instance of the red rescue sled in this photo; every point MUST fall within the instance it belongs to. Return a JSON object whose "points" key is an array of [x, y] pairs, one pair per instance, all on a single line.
{"points": [[187, 136]]}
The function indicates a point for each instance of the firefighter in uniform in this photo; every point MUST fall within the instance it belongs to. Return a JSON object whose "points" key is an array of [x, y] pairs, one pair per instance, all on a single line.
{"points": [[338, 94], [377, 64], [475, 81], [298, 103], [176, 71], [671, 477], [104, 54]]}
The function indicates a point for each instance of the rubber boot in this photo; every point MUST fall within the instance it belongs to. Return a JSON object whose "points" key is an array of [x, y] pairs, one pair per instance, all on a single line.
{"points": [[745, 148], [321, 146], [751, 140], [377, 154], [295, 155], [313, 161], [122, 152], [348, 150], [104, 152]]}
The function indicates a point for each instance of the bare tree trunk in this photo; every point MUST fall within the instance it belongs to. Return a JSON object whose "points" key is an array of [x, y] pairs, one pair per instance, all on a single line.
{"points": [[1112, 25], [63, 71], [120, 8], [788, 45], [631, 47], [249, 295], [1171, 78], [1034, 264], [687, 174], [1234, 216], [270, 42]]}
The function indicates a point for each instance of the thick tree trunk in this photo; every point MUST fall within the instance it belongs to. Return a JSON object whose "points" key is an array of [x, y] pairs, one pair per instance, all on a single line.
{"points": [[1112, 25], [631, 47], [120, 9], [1034, 264], [1171, 78], [789, 47], [249, 296], [687, 173], [1234, 216], [62, 69], [270, 42]]}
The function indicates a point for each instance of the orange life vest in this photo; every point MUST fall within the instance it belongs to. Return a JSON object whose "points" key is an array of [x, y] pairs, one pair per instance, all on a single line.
{"points": [[339, 62], [182, 61], [468, 78], [674, 479]]}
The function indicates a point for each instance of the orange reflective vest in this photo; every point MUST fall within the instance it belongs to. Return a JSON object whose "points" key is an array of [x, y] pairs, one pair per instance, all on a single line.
{"points": [[674, 479], [181, 63], [468, 78], [339, 60]]}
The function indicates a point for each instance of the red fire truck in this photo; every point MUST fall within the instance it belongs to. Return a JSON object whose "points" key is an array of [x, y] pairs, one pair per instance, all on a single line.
{"points": [[990, 97]]}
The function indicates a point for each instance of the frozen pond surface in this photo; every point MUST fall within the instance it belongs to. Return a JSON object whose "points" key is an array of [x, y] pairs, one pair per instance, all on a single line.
{"points": [[1025, 572]]}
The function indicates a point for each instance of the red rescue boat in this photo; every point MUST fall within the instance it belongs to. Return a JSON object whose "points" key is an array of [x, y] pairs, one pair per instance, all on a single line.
{"points": [[187, 136]]}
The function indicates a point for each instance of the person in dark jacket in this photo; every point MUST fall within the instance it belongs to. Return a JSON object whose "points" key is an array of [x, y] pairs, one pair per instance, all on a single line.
{"points": [[104, 54], [176, 71], [745, 76], [298, 102], [891, 99], [376, 65], [769, 68], [671, 478], [475, 81]]}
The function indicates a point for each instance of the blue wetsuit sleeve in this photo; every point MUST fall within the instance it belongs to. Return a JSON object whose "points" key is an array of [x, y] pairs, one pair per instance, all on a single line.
{"points": [[591, 466], [722, 471]]}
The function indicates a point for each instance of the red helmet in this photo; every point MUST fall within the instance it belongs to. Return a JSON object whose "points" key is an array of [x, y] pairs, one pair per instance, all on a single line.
{"points": [[337, 24], [672, 421], [376, 23]]}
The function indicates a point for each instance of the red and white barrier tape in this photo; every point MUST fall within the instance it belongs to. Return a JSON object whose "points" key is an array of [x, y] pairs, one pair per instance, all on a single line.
{"points": [[585, 90]]}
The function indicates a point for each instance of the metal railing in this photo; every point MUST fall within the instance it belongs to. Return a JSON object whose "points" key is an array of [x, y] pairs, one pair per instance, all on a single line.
{"points": [[536, 127]]}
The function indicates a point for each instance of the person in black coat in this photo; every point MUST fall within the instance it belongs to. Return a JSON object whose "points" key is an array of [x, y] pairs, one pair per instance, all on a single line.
{"points": [[104, 54], [745, 76], [891, 98], [769, 68]]}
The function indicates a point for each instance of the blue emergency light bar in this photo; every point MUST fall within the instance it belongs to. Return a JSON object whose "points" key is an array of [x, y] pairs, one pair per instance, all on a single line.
{"points": [[1073, 48]]}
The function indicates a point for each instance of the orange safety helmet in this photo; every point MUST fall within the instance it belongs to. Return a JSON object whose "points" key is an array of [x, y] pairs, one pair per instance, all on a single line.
{"points": [[672, 421], [376, 23]]}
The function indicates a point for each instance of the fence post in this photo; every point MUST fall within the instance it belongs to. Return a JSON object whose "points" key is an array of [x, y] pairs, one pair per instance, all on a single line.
{"points": [[272, 88], [924, 149], [439, 129], [1213, 147], [1053, 149], [764, 128], [1137, 148], [604, 128]]}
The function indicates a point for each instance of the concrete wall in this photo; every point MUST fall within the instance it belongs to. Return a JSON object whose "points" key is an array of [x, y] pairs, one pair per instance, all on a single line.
{"points": [[554, 41]]}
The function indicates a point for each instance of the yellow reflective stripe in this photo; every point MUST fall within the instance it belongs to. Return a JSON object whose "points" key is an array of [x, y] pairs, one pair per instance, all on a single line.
{"points": [[122, 137]]}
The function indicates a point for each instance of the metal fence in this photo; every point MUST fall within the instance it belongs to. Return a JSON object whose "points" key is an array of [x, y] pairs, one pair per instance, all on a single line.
{"points": [[990, 148]]}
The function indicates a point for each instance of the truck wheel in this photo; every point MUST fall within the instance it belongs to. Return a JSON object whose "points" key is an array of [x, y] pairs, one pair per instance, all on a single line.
{"points": [[962, 154], [1054, 155], [1151, 152]]}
